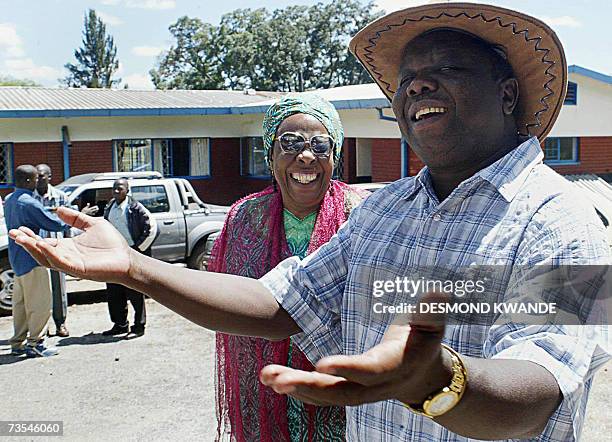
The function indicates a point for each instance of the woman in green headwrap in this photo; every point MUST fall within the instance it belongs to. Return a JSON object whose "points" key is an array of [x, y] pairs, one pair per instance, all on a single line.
{"points": [[300, 212]]}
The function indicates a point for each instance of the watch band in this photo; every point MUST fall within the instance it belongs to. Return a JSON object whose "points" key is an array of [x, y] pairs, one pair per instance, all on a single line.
{"points": [[449, 396]]}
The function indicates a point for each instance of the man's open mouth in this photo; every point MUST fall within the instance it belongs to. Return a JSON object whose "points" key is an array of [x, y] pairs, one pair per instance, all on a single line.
{"points": [[428, 112], [304, 178]]}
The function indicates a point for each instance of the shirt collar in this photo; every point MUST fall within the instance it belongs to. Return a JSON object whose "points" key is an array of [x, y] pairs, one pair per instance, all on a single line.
{"points": [[123, 204], [49, 193], [507, 174], [418, 183]]}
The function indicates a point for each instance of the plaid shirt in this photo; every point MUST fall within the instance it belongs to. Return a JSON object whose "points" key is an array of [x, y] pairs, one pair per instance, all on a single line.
{"points": [[53, 198], [516, 211]]}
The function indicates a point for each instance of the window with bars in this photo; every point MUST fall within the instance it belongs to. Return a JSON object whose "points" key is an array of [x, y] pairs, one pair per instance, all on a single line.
{"points": [[560, 150], [178, 157], [6, 163], [253, 159], [133, 155]]}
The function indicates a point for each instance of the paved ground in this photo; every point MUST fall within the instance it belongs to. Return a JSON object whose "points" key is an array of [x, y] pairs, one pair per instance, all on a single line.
{"points": [[158, 387]]}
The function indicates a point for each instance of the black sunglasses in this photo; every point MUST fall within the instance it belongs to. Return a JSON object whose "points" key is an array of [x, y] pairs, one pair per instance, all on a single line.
{"points": [[293, 143]]}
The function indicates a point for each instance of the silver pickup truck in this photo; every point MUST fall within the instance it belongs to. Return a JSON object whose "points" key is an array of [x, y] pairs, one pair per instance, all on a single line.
{"points": [[186, 225]]}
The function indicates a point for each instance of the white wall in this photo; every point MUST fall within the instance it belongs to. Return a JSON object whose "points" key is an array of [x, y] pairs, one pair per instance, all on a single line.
{"points": [[106, 128], [363, 152], [358, 123], [364, 123], [591, 116]]}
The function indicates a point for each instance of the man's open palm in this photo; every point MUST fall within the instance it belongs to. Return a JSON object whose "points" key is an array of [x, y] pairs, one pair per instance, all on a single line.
{"points": [[100, 253], [407, 365]]}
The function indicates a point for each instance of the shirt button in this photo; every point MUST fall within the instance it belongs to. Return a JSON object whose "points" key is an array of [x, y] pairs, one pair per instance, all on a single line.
{"points": [[437, 217]]}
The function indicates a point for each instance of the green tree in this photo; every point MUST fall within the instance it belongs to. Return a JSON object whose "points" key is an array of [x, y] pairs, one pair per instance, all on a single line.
{"points": [[333, 26], [96, 59], [10, 81], [193, 62], [292, 49], [240, 37]]}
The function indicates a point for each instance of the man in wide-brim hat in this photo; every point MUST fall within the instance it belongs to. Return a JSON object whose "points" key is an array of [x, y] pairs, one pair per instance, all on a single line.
{"points": [[474, 89]]}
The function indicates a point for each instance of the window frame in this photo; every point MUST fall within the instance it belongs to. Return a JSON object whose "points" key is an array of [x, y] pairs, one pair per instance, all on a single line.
{"points": [[116, 156], [199, 177], [247, 173], [10, 167], [575, 152], [171, 146]]}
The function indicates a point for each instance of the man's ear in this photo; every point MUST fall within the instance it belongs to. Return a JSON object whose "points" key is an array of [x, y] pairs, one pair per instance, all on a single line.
{"points": [[509, 91]]}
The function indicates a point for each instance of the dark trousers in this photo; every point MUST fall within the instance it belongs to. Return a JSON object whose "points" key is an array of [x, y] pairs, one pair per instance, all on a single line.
{"points": [[118, 296], [60, 298]]}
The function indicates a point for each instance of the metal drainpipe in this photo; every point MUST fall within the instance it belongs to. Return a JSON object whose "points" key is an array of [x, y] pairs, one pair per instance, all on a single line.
{"points": [[405, 158], [66, 151]]}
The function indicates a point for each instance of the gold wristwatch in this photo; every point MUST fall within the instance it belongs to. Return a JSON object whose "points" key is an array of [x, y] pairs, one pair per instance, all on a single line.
{"points": [[444, 400]]}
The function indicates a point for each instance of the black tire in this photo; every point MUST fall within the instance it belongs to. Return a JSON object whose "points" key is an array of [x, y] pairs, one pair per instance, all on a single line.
{"points": [[7, 280], [200, 254]]}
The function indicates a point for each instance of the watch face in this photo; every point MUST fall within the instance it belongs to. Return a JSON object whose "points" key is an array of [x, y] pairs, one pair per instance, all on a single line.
{"points": [[441, 403]]}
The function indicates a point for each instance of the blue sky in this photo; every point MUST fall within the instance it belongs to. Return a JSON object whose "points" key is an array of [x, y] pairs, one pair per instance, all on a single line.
{"points": [[37, 37]]}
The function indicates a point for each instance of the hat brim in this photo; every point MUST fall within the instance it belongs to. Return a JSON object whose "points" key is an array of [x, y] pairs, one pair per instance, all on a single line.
{"points": [[532, 48]]}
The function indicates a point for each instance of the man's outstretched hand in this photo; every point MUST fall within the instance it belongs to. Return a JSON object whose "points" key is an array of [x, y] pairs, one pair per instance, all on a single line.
{"points": [[100, 253], [409, 364]]}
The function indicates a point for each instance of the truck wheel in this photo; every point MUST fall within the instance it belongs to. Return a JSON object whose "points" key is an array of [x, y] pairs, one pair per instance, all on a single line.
{"points": [[7, 279], [200, 255]]}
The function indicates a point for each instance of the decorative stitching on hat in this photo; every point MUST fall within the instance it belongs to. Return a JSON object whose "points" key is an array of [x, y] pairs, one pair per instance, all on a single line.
{"points": [[368, 51]]}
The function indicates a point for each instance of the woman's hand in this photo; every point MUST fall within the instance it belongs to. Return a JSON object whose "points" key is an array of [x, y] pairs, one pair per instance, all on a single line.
{"points": [[99, 254]]}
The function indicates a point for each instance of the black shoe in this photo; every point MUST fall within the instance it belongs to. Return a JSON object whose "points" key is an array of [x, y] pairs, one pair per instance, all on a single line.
{"points": [[116, 330], [135, 332], [62, 331]]}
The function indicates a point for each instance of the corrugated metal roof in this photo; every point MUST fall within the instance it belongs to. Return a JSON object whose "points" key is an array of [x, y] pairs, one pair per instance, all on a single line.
{"points": [[31, 102], [31, 98]]}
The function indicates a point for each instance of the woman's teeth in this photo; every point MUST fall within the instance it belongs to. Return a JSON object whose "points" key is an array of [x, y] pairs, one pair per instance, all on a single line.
{"points": [[304, 178]]}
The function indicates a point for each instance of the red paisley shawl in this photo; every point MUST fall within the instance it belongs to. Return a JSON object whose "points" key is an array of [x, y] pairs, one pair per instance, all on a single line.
{"points": [[251, 243]]}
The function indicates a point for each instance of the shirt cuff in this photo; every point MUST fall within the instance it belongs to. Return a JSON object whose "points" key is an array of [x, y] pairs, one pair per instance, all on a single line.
{"points": [[321, 332], [566, 422]]}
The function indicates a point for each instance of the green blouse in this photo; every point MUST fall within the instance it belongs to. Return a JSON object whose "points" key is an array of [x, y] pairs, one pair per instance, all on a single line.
{"points": [[298, 232]]}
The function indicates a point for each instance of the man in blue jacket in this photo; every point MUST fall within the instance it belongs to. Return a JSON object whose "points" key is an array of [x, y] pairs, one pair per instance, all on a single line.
{"points": [[32, 290], [139, 229]]}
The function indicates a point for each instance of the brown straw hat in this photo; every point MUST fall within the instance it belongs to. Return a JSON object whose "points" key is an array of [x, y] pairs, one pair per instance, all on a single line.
{"points": [[530, 46]]}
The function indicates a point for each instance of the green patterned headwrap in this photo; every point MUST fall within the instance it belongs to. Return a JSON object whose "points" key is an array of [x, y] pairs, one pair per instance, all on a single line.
{"points": [[302, 103]]}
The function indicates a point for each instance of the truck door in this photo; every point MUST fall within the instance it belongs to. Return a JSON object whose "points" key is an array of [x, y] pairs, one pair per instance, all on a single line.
{"points": [[170, 242]]}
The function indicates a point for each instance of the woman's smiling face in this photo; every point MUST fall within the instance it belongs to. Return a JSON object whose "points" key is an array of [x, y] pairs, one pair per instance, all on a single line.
{"points": [[303, 178]]}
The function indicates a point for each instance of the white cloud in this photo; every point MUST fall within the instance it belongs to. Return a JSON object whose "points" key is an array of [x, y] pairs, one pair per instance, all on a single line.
{"points": [[151, 4], [138, 81], [147, 51], [10, 42], [110, 19], [26, 68], [142, 4], [565, 20]]}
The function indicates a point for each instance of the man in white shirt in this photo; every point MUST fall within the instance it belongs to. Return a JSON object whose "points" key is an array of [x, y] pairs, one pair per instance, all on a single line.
{"points": [[139, 229]]}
